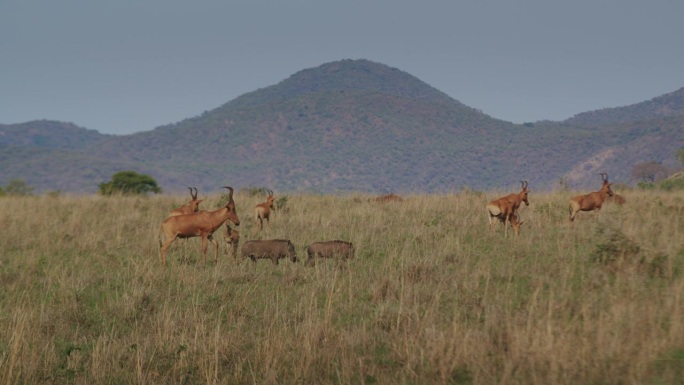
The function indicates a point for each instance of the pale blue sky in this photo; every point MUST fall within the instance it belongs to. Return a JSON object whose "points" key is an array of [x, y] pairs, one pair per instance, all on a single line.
{"points": [[128, 66]]}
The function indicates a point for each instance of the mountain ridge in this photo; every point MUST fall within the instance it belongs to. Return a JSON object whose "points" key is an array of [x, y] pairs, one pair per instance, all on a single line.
{"points": [[357, 125]]}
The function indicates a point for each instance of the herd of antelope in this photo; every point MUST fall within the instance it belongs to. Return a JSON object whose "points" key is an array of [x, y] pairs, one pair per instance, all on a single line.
{"points": [[505, 209], [188, 221]]}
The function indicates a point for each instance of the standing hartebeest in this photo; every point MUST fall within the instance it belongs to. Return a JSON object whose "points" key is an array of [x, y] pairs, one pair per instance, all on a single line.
{"points": [[591, 201], [505, 207], [262, 211], [190, 208], [200, 224]]}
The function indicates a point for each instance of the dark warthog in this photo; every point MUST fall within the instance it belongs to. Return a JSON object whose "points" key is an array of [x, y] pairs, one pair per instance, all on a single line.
{"points": [[329, 249], [273, 249]]}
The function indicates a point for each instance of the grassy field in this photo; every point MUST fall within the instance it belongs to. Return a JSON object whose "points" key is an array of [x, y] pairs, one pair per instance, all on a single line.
{"points": [[433, 296]]}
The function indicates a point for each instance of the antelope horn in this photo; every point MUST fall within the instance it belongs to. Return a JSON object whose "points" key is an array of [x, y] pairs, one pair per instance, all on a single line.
{"points": [[270, 192], [604, 176], [524, 184], [194, 196], [230, 196]]}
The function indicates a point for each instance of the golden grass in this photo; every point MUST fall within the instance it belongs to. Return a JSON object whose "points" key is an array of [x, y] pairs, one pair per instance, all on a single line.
{"points": [[433, 296]]}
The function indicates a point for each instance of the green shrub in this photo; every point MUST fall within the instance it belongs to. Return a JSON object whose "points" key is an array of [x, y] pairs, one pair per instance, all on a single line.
{"points": [[672, 185]]}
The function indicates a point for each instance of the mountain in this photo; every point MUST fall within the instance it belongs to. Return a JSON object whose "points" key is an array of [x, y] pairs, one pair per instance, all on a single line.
{"points": [[668, 105], [352, 125], [49, 135]]}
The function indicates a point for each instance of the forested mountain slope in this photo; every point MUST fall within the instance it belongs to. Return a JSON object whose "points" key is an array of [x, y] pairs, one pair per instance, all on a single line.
{"points": [[354, 125]]}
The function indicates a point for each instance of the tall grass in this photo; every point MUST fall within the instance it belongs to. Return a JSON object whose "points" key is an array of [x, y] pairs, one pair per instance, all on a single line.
{"points": [[433, 296]]}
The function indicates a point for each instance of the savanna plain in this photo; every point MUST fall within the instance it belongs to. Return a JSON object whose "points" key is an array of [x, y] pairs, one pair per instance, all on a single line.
{"points": [[432, 296]]}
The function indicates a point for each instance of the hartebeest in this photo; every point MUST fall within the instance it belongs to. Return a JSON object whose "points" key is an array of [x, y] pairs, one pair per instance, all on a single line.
{"points": [[388, 198], [200, 224], [516, 223], [505, 207], [232, 241], [262, 211], [616, 198], [591, 201], [190, 208]]}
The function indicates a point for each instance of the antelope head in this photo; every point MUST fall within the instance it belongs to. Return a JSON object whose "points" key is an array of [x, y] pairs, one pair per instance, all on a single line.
{"points": [[606, 185], [523, 192], [232, 214], [270, 200], [194, 202]]}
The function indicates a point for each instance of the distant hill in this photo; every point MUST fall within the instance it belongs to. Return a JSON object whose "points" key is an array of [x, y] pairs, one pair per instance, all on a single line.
{"points": [[668, 105], [352, 125], [49, 134]]}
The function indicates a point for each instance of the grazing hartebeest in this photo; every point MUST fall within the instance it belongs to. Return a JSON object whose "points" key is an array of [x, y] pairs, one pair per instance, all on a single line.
{"points": [[591, 201], [616, 198], [505, 207], [329, 249], [388, 198], [200, 224], [232, 241], [273, 249], [190, 208], [263, 210], [516, 223]]}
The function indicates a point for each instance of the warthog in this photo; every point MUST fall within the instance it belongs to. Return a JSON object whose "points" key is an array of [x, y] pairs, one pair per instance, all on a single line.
{"points": [[273, 249], [329, 249]]}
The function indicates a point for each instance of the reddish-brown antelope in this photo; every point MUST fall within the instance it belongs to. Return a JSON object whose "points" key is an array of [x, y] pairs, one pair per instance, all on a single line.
{"points": [[388, 198], [616, 198], [200, 224], [262, 211], [516, 223], [190, 208], [506, 207], [591, 201], [232, 241]]}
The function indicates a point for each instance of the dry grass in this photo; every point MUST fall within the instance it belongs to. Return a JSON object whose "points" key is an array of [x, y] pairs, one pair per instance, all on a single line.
{"points": [[432, 296]]}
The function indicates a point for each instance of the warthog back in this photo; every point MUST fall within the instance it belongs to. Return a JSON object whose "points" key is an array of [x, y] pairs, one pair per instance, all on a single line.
{"points": [[273, 249], [329, 249]]}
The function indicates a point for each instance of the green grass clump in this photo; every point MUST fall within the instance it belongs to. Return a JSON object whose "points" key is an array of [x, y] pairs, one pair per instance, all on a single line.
{"points": [[433, 295]]}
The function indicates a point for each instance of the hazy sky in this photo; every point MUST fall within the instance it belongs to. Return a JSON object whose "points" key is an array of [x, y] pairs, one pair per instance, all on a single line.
{"points": [[126, 66]]}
